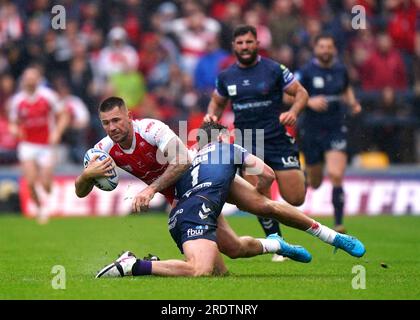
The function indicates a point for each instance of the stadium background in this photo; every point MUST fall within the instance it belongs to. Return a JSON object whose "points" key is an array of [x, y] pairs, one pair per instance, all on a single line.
{"points": [[170, 77], [166, 66]]}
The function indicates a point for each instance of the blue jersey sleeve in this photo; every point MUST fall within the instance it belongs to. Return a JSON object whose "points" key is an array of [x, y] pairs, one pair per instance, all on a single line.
{"points": [[287, 76], [221, 87]]}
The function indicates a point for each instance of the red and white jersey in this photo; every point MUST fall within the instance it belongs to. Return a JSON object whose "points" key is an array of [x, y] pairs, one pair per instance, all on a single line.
{"points": [[78, 111], [141, 159], [35, 113]]}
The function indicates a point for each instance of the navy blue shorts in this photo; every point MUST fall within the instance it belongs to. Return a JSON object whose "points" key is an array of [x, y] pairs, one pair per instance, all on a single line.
{"points": [[193, 218], [314, 143], [279, 154]]}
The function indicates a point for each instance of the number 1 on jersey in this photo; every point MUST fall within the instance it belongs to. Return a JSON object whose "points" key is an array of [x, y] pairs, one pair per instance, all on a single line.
{"points": [[194, 175]]}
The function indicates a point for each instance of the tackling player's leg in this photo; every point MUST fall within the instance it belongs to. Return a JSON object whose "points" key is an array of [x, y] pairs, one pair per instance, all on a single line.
{"points": [[256, 203]]}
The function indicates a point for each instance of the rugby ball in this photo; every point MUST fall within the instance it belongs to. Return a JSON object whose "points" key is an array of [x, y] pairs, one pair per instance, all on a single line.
{"points": [[103, 183]]}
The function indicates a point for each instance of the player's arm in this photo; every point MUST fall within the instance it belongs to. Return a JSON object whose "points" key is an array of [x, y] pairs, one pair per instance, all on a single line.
{"points": [[317, 103], [215, 108], [176, 154], [350, 99], [95, 169], [265, 175], [63, 121], [300, 99]]}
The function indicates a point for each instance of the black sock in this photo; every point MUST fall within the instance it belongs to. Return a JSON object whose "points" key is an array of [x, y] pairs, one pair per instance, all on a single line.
{"points": [[270, 226], [338, 202], [141, 268]]}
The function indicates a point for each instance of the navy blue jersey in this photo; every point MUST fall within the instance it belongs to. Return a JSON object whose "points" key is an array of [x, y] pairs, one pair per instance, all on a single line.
{"points": [[211, 173], [256, 93], [330, 82]]}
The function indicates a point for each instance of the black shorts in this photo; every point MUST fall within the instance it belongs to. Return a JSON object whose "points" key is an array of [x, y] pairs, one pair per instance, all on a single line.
{"points": [[280, 154], [315, 142], [193, 218]]}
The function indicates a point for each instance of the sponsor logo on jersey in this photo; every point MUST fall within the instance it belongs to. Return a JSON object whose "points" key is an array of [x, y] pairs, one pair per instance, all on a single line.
{"points": [[197, 231], [318, 82], [205, 213], [232, 90], [246, 83], [338, 144], [290, 162]]}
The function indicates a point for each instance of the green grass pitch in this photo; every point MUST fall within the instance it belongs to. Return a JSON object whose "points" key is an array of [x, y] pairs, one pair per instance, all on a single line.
{"points": [[82, 246]]}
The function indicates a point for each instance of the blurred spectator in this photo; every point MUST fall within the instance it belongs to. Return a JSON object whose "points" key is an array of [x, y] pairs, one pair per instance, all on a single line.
{"points": [[402, 23], [8, 141], [283, 22], [390, 126], [11, 24], [384, 67], [117, 56], [75, 134], [192, 31], [208, 66]]}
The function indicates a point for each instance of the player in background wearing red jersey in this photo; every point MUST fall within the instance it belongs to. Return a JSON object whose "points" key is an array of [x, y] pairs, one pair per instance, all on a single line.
{"points": [[38, 121]]}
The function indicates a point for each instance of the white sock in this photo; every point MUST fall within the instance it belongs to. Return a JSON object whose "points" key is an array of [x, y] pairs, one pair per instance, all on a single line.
{"points": [[269, 245], [322, 232]]}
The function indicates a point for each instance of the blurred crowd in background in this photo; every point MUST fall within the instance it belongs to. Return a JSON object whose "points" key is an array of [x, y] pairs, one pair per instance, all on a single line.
{"points": [[162, 57]]}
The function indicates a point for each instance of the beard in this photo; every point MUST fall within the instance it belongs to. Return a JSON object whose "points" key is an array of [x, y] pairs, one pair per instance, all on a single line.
{"points": [[325, 58], [247, 61]]}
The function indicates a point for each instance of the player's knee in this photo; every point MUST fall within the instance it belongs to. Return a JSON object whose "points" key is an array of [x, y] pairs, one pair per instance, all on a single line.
{"points": [[295, 199], [202, 271], [314, 183], [336, 177]]}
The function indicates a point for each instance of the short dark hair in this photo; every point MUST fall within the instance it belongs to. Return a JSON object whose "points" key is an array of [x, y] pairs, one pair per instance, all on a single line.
{"points": [[324, 36], [244, 29], [110, 103], [208, 132]]}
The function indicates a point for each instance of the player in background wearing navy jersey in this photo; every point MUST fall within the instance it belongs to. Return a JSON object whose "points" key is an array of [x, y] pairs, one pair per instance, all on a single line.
{"points": [[255, 86], [322, 128]]}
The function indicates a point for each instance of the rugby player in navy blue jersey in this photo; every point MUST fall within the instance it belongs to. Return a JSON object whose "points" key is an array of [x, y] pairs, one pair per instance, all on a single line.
{"points": [[322, 128], [255, 86], [195, 222]]}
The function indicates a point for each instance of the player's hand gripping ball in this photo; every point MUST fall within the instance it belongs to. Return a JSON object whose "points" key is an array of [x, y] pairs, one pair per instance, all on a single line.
{"points": [[103, 183]]}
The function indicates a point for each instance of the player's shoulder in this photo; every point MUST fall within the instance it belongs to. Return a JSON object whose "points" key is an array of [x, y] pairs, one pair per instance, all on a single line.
{"points": [[147, 125], [339, 65], [17, 98], [46, 92], [228, 71], [308, 66], [105, 144], [270, 62]]}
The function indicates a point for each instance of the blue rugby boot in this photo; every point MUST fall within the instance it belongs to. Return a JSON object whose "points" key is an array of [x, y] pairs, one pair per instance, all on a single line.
{"points": [[349, 244], [297, 253]]}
